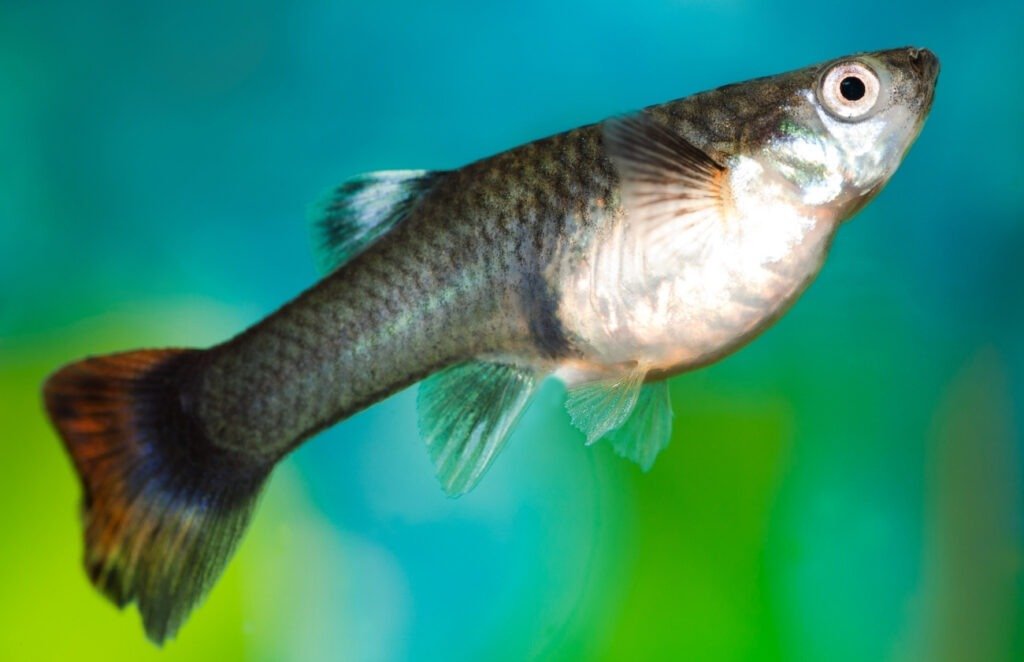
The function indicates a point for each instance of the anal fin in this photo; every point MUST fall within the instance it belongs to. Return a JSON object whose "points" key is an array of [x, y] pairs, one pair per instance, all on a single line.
{"points": [[466, 413]]}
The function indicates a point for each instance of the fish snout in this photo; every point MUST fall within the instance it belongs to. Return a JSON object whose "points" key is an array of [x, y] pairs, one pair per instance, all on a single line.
{"points": [[926, 63]]}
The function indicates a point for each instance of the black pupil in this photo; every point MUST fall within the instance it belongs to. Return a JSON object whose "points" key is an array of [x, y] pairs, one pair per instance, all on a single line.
{"points": [[852, 88]]}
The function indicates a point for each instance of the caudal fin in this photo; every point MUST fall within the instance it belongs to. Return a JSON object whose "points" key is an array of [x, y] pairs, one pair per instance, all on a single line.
{"points": [[163, 509]]}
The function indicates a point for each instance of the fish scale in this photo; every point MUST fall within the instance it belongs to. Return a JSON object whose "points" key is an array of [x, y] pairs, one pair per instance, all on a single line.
{"points": [[331, 322]]}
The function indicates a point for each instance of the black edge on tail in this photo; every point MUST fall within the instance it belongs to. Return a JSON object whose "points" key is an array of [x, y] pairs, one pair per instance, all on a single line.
{"points": [[163, 509]]}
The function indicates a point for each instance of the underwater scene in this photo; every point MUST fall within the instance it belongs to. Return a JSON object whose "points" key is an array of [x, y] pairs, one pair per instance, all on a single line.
{"points": [[849, 486]]}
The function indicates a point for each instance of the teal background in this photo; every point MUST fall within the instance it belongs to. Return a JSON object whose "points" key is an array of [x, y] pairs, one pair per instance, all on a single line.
{"points": [[848, 487]]}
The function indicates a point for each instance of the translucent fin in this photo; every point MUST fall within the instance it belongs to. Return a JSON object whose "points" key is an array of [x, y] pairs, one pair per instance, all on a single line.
{"points": [[660, 167], [163, 509], [363, 209], [648, 429], [465, 414], [597, 408], [664, 178]]}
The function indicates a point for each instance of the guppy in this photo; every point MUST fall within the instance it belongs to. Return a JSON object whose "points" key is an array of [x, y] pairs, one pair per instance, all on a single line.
{"points": [[611, 256]]}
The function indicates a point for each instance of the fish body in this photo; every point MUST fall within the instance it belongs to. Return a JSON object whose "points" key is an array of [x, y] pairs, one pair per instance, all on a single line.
{"points": [[610, 256]]}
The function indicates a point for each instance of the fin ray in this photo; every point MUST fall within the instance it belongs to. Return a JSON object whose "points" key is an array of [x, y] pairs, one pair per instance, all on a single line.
{"points": [[163, 510], [466, 413], [664, 178], [598, 407], [649, 157], [361, 210], [647, 431]]}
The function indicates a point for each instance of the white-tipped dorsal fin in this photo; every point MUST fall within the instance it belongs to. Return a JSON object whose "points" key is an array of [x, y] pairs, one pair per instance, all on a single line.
{"points": [[466, 413], [361, 210], [648, 429], [598, 407]]}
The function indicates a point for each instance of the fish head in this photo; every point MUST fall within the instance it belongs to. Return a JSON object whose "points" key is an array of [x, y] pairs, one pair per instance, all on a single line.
{"points": [[843, 127]]}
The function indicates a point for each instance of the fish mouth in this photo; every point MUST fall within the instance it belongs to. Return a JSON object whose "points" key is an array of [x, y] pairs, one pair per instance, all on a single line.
{"points": [[925, 65]]}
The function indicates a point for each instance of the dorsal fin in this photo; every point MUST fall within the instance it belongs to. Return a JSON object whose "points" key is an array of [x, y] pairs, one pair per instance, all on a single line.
{"points": [[466, 413], [363, 209]]}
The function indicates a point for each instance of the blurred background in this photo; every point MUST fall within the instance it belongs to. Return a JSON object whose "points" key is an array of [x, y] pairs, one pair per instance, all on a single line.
{"points": [[849, 486]]}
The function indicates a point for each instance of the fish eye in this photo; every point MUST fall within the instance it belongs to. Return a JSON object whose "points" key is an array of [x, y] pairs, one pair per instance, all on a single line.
{"points": [[852, 88], [849, 90]]}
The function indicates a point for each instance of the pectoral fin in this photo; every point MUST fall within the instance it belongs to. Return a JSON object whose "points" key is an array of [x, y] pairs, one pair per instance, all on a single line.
{"points": [[670, 189], [659, 168], [465, 415]]}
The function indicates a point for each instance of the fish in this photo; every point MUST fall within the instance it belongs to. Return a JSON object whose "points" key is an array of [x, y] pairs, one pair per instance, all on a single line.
{"points": [[611, 257]]}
